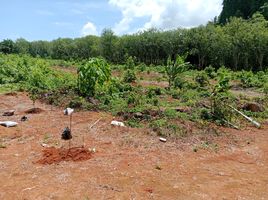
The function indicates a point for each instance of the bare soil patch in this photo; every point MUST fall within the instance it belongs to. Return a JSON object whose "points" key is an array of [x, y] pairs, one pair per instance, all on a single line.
{"points": [[11, 94], [34, 111], [129, 163], [54, 155]]}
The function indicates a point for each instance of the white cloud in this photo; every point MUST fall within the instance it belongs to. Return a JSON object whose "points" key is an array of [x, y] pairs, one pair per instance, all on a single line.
{"points": [[89, 29], [165, 14]]}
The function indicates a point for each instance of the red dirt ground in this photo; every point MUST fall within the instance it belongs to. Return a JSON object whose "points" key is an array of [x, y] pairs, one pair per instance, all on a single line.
{"points": [[52, 155], [128, 163], [34, 111]]}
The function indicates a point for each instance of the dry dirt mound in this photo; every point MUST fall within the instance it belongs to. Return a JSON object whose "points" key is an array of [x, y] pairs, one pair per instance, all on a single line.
{"points": [[53, 155], [253, 107], [11, 94], [34, 111]]}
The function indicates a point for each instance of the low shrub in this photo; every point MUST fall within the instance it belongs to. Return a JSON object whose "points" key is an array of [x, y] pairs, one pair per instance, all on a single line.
{"points": [[202, 79], [210, 71], [129, 76]]}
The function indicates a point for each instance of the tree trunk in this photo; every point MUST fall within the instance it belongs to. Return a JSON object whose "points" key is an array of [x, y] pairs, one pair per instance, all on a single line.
{"points": [[260, 60]]}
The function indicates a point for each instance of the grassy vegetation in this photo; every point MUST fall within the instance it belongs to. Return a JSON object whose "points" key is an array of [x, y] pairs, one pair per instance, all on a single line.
{"points": [[165, 104]]}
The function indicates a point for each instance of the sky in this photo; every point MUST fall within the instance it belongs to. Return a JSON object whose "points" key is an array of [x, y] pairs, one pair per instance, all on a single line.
{"points": [[51, 19]]}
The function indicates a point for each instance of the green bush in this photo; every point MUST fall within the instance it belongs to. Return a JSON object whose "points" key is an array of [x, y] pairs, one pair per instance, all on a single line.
{"points": [[265, 89], [205, 114], [210, 71], [223, 84], [94, 72], [77, 102], [130, 64], [158, 125], [142, 67], [174, 68], [32, 73], [202, 79], [249, 79], [129, 76], [151, 92], [179, 82], [170, 113]]}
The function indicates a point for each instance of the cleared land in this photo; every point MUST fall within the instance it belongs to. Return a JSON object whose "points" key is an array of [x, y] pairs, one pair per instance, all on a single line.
{"points": [[127, 164]]}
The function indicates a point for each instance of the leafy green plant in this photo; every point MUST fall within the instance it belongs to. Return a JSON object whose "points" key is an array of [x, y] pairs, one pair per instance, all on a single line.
{"points": [[179, 82], [174, 68], [33, 94], [129, 76], [134, 123], [248, 79], [154, 92], [202, 79], [220, 102], [158, 125], [223, 71], [142, 67], [130, 64], [265, 88], [170, 113], [210, 71], [94, 72], [76, 102], [205, 114], [223, 84]]}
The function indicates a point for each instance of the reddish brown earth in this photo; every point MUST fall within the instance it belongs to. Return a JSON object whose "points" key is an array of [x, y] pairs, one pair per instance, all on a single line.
{"points": [[34, 111], [52, 155], [128, 163]]}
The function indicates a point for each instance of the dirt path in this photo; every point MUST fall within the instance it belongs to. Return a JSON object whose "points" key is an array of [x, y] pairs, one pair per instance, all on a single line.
{"points": [[128, 163]]}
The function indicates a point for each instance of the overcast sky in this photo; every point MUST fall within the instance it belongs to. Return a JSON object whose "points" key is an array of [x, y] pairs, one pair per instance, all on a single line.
{"points": [[50, 19]]}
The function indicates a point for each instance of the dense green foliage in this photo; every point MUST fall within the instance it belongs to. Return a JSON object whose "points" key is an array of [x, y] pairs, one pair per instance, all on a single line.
{"points": [[200, 96], [94, 72], [175, 68], [242, 8], [31, 74], [240, 44]]}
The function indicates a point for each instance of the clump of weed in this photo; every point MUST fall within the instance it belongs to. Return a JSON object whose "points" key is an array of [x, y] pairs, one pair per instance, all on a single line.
{"points": [[76, 102], [158, 125], [134, 123], [142, 67], [179, 82], [202, 79], [265, 89], [210, 71], [130, 64], [152, 92], [170, 113], [129, 76], [221, 100], [248, 79]]}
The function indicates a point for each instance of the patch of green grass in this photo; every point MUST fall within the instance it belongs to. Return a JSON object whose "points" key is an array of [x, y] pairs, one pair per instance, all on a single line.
{"points": [[171, 113], [10, 87], [134, 123]]}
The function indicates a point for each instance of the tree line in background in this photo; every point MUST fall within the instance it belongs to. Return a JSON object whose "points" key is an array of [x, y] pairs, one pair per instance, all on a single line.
{"points": [[239, 44], [242, 8]]}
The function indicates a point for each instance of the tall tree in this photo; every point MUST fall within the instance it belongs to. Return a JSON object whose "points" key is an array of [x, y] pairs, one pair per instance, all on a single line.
{"points": [[22, 46], [108, 40], [240, 8], [7, 46]]}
